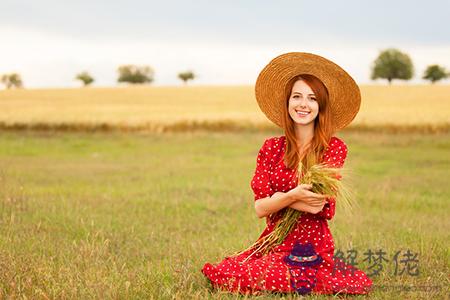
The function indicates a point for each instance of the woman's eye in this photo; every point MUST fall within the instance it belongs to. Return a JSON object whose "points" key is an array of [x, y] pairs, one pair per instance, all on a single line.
{"points": [[313, 99]]}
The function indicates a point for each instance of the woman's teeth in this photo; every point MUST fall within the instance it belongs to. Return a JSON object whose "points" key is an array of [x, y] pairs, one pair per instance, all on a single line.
{"points": [[300, 113]]}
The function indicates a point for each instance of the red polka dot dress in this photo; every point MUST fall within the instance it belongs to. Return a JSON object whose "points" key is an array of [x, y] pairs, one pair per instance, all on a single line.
{"points": [[304, 262]]}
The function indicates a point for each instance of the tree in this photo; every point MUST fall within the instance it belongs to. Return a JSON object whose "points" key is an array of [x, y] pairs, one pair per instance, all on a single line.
{"points": [[185, 76], [435, 73], [12, 80], [135, 74], [85, 77], [392, 64]]}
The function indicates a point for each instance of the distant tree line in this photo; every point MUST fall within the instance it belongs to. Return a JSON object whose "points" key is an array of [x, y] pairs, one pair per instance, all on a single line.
{"points": [[134, 75], [11, 80], [390, 64], [394, 64]]}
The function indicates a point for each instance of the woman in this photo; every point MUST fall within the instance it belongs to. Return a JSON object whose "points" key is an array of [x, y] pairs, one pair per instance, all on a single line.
{"points": [[310, 98]]}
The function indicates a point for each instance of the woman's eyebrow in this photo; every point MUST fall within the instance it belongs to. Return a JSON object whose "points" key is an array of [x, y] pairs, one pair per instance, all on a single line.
{"points": [[301, 93]]}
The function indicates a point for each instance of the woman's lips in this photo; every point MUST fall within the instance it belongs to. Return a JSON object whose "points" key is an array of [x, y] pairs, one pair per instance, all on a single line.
{"points": [[302, 114]]}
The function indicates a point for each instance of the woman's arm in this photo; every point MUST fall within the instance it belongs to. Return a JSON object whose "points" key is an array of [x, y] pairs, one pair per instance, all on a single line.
{"points": [[279, 200], [268, 205], [302, 206], [299, 198]]}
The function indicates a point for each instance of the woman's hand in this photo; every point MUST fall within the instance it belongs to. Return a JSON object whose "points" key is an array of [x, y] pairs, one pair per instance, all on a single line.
{"points": [[302, 193], [301, 206]]}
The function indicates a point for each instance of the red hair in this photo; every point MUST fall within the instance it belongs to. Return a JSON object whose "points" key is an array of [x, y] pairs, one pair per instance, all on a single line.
{"points": [[323, 130]]}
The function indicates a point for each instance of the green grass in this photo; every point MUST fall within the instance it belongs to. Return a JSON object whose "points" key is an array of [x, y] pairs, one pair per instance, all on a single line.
{"points": [[137, 215]]}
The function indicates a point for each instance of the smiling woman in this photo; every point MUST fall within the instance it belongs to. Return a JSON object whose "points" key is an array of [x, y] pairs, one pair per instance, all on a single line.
{"points": [[304, 107], [310, 106]]}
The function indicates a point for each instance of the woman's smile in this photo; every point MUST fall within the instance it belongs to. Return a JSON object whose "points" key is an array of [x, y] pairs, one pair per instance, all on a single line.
{"points": [[302, 113]]}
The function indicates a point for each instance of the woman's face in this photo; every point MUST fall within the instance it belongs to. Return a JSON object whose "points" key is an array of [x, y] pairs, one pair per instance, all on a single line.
{"points": [[303, 107]]}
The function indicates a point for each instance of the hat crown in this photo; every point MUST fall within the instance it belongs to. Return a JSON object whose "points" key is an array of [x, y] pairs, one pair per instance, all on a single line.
{"points": [[344, 94]]}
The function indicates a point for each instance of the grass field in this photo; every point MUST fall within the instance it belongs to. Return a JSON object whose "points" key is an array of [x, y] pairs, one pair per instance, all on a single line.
{"points": [[158, 108], [137, 215]]}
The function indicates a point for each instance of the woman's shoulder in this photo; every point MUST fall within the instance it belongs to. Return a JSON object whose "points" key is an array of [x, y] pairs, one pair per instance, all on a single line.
{"points": [[274, 142], [337, 143], [337, 149], [277, 143]]}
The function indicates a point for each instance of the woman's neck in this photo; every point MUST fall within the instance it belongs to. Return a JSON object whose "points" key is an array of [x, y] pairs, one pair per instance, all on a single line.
{"points": [[304, 135]]}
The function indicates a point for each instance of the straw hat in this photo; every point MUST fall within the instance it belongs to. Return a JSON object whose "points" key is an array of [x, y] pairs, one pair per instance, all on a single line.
{"points": [[344, 93]]}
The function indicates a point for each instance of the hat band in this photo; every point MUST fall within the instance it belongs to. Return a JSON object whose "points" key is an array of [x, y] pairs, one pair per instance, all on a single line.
{"points": [[302, 258]]}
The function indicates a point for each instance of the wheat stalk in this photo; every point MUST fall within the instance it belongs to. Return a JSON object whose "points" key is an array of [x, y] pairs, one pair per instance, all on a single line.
{"points": [[324, 180]]}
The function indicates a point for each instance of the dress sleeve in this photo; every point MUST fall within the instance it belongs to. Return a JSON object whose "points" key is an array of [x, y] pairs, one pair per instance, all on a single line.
{"points": [[260, 183], [335, 158]]}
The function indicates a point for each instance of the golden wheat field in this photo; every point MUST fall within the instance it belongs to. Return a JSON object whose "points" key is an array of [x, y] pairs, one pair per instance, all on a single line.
{"points": [[401, 105]]}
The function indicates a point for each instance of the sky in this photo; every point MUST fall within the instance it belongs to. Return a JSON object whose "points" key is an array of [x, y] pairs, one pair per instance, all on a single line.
{"points": [[223, 42]]}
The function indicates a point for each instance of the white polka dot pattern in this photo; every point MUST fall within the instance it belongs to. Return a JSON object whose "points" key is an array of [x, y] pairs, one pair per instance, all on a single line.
{"points": [[260, 183], [269, 272]]}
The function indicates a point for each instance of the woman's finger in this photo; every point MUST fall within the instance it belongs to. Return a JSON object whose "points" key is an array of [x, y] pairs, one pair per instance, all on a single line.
{"points": [[321, 196], [316, 202]]}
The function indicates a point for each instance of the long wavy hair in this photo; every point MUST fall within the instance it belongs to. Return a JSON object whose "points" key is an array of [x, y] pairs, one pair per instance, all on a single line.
{"points": [[323, 130]]}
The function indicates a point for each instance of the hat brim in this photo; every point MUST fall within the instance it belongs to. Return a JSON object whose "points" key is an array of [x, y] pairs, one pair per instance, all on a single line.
{"points": [[344, 93]]}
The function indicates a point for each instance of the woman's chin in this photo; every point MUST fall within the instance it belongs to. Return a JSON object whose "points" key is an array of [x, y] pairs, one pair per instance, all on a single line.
{"points": [[303, 122]]}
